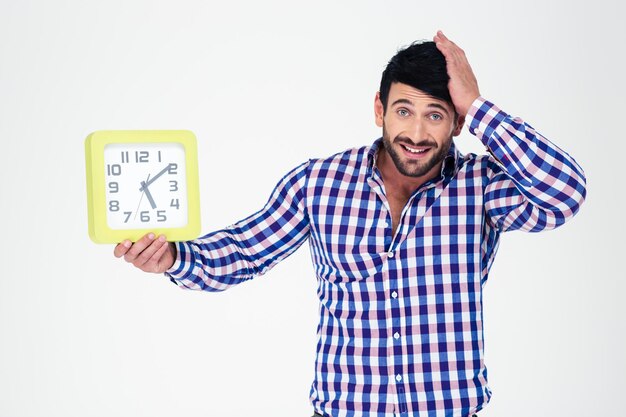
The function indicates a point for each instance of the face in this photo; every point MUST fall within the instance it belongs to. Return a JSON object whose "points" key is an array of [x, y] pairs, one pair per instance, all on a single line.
{"points": [[417, 130]]}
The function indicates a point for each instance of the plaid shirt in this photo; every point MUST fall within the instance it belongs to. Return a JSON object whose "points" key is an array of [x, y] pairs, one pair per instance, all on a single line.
{"points": [[400, 329]]}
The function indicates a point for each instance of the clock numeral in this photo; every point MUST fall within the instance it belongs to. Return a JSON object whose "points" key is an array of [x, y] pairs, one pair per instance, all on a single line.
{"points": [[144, 216], [114, 169], [114, 187], [141, 156], [173, 185], [114, 205], [175, 203], [127, 213], [161, 217], [159, 156], [124, 157], [172, 169]]}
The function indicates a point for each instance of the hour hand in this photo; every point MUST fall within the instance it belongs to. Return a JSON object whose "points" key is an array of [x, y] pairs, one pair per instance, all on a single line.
{"points": [[144, 188]]}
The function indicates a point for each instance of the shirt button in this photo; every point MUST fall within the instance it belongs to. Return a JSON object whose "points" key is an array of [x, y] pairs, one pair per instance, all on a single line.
{"points": [[398, 377], [390, 254], [394, 294], [386, 224], [396, 335]]}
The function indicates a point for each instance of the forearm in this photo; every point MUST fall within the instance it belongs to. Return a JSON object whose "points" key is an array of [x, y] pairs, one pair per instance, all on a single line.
{"points": [[221, 260], [250, 247], [210, 264], [551, 185]]}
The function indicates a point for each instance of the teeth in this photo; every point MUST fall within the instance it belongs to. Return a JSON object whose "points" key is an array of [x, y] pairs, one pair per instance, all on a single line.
{"points": [[414, 150]]}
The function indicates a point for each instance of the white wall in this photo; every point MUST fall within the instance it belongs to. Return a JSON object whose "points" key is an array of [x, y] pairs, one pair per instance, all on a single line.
{"points": [[266, 85]]}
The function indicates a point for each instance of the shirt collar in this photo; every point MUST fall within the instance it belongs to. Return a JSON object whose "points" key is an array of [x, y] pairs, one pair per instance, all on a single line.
{"points": [[448, 168]]}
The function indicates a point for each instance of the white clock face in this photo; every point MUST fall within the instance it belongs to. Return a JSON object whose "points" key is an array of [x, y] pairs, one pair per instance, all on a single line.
{"points": [[146, 185]]}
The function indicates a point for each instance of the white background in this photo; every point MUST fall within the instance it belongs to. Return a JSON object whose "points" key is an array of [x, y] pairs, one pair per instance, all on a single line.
{"points": [[266, 85]]}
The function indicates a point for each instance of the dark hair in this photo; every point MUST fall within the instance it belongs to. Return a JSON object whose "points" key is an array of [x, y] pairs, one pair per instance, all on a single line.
{"points": [[420, 65]]}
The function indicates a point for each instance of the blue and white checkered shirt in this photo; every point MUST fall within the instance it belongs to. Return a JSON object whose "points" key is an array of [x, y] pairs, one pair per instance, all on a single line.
{"points": [[400, 328]]}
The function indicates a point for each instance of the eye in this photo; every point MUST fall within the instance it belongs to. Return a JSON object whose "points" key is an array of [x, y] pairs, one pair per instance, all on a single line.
{"points": [[403, 112], [435, 117]]}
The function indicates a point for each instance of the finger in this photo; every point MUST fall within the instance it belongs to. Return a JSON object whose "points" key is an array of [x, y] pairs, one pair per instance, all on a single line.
{"points": [[157, 258], [448, 48], [121, 248], [445, 46], [159, 253], [139, 246], [144, 257], [445, 40], [441, 39]]}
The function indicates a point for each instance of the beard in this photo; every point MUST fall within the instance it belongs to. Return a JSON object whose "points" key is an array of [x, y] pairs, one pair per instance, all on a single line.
{"points": [[412, 167]]}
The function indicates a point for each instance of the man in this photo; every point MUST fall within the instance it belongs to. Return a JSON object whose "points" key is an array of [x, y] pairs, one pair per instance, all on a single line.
{"points": [[402, 234]]}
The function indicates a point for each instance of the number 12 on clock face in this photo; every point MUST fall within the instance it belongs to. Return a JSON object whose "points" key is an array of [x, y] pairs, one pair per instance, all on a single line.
{"points": [[144, 181]]}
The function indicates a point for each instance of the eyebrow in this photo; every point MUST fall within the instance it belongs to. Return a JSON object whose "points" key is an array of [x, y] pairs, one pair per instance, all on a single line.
{"points": [[410, 103]]}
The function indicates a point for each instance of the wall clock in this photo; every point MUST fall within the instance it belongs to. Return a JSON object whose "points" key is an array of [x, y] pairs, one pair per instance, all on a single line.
{"points": [[141, 181]]}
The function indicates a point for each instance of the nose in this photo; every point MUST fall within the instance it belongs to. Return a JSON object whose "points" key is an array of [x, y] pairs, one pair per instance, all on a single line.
{"points": [[416, 131]]}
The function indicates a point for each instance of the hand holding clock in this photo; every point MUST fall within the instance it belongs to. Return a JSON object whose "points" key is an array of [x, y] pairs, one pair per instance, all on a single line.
{"points": [[150, 253]]}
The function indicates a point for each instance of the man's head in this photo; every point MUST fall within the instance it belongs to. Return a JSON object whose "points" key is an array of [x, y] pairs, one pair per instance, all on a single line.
{"points": [[422, 66], [415, 110]]}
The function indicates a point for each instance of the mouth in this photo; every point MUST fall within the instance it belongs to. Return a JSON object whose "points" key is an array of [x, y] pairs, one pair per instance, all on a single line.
{"points": [[415, 152]]}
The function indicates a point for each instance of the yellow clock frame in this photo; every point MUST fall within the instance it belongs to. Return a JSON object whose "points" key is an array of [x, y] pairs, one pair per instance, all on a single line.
{"points": [[95, 143]]}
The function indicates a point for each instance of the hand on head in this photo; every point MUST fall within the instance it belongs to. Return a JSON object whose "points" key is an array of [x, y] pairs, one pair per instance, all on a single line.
{"points": [[463, 86]]}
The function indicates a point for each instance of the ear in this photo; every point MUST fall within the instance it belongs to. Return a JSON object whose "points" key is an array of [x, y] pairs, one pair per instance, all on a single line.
{"points": [[379, 111], [460, 121]]}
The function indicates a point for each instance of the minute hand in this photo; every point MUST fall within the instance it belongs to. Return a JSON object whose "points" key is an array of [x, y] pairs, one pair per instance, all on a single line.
{"points": [[163, 171]]}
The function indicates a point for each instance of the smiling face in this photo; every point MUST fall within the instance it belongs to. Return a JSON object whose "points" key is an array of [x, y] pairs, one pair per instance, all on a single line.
{"points": [[417, 130]]}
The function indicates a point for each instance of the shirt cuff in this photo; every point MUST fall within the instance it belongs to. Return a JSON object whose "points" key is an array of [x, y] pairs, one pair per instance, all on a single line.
{"points": [[483, 118], [184, 264]]}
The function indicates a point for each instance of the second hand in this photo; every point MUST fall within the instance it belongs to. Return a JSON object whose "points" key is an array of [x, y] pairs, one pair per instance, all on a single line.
{"points": [[138, 205]]}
